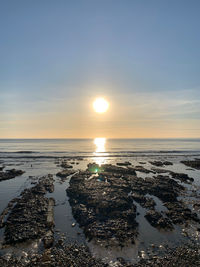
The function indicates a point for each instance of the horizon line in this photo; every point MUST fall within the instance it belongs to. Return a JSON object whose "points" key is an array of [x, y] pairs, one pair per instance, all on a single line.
{"points": [[87, 138]]}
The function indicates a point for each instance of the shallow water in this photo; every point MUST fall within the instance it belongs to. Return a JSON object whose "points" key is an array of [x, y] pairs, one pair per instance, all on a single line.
{"points": [[37, 167]]}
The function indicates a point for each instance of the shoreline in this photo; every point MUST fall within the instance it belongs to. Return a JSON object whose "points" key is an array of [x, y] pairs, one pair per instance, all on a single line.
{"points": [[100, 155]]}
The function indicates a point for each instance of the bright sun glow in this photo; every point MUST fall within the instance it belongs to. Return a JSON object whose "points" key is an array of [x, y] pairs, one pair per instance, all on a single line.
{"points": [[100, 144], [100, 105], [100, 150]]}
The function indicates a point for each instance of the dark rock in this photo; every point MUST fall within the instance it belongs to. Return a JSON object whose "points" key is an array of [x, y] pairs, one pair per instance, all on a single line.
{"points": [[184, 256], [157, 220], [161, 186], [9, 174], [192, 163], [102, 207], [182, 177], [95, 168], [179, 214], [161, 163], [32, 215], [65, 173], [48, 239], [59, 255], [65, 165], [145, 202], [178, 176], [1, 168], [142, 169], [157, 170], [6, 211], [101, 202], [126, 163], [167, 190]]}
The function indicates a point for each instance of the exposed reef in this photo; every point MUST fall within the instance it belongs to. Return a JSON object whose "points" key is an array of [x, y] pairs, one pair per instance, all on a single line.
{"points": [[192, 163], [9, 174], [183, 177], [102, 207], [59, 255], [110, 203], [101, 201], [157, 220], [184, 256], [160, 163], [126, 163], [31, 215], [73, 255], [65, 165], [65, 173]]}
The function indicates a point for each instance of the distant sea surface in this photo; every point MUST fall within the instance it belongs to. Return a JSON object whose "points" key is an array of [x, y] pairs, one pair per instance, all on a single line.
{"points": [[97, 146]]}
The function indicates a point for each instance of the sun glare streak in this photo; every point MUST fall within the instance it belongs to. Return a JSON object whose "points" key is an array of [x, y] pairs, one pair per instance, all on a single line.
{"points": [[100, 148], [100, 144]]}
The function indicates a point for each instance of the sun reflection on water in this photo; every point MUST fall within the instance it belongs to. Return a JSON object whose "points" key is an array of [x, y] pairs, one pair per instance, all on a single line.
{"points": [[100, 150], [100, 144]]}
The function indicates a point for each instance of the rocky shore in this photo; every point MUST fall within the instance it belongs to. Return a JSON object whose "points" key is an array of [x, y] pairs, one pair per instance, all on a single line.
{"points": [[167, 190], [102, 207], [59, 255], [192, 163], [75, 255], [30, 216], [183, 256], [9, 174], [104, 201]]}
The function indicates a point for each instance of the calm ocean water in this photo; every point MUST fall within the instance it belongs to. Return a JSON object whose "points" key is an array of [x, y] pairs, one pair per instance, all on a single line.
{"points": [[87, 147]]}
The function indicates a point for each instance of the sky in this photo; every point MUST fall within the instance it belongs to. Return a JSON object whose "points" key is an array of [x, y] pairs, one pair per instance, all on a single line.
{"points": [[142, 56]]}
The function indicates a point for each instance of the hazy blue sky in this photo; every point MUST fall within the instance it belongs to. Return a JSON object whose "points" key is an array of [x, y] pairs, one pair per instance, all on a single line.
{"points": [[57, 56]]}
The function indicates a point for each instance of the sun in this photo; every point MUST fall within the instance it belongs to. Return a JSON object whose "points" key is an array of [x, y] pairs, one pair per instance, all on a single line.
{"points": [[100, 105]]}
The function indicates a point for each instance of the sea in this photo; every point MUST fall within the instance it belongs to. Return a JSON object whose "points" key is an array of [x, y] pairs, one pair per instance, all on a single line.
{"points": [[87, 147]]}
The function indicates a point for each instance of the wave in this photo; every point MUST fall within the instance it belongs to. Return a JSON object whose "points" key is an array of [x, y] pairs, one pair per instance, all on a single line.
{"points": [[107, 155], [106, 152], [19, 152]]}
